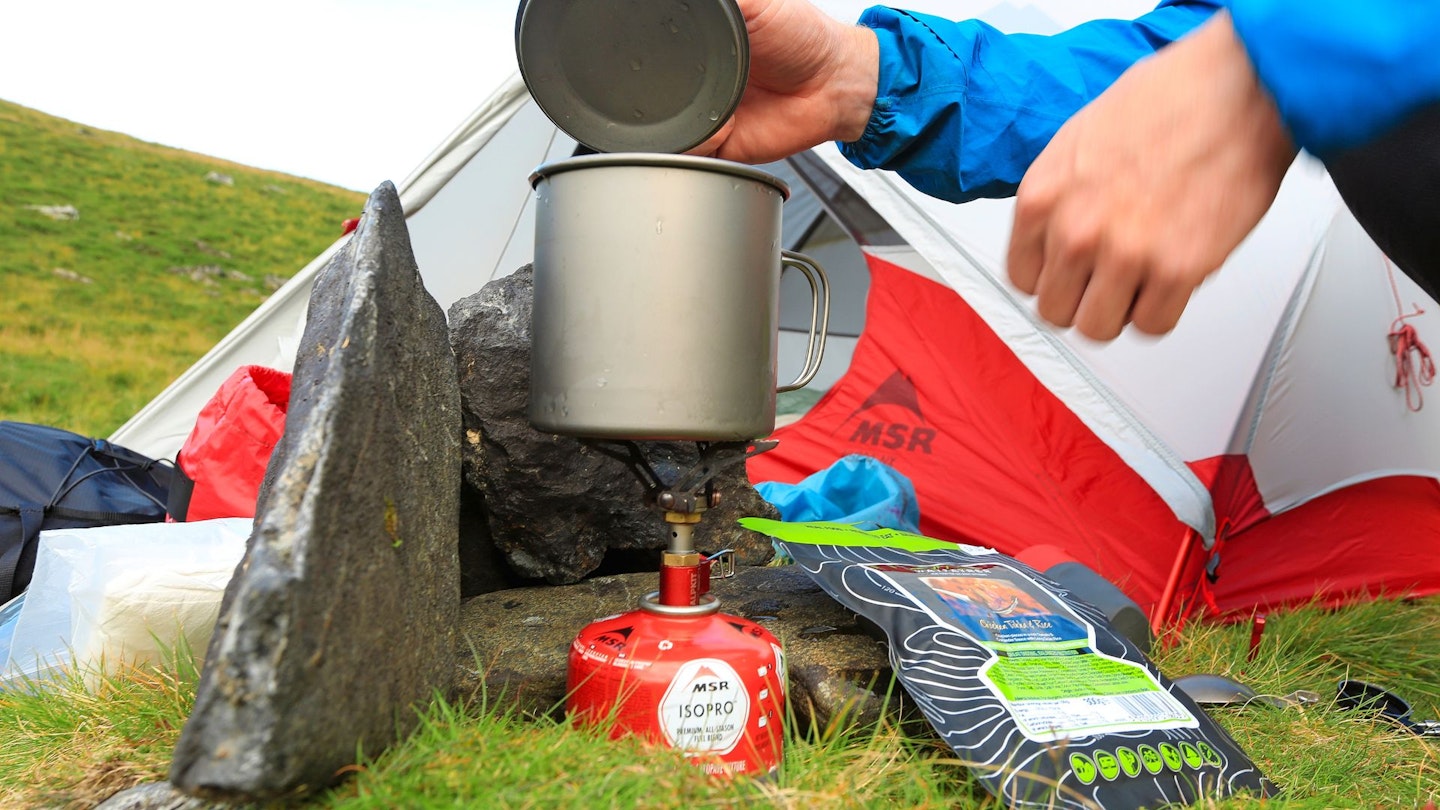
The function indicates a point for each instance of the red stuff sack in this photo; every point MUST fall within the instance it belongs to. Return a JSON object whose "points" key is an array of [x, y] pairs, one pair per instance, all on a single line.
{"points": [[224, 459]]}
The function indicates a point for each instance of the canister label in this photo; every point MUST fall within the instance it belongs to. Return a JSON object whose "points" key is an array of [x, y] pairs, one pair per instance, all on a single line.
{"points": [[705, 707]]}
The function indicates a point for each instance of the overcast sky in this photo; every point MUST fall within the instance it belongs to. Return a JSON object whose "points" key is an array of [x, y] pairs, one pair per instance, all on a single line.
{"points": [[350, 92]]}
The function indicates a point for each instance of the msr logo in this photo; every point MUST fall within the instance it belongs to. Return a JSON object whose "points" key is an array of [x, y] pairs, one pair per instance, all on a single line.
{"points": [[710, 686], [897, 390], [616, 638], [894, 436]]}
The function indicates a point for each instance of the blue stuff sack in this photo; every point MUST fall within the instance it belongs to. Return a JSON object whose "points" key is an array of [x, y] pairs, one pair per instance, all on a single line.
{"points": [[856, 490]]}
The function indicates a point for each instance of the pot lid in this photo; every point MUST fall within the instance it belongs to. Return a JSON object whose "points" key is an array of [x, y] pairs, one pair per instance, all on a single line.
{"points": [[634, 75]]}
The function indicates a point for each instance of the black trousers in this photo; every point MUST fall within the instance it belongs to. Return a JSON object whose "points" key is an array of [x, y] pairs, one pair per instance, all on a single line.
{"points": [[1392, 186]]}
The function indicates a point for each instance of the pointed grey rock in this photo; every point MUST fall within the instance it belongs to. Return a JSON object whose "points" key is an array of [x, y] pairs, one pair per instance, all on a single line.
{"points": [[340, 617]]}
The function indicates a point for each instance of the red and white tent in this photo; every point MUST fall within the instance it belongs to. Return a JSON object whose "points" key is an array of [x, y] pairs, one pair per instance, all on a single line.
{"points": [[1264, 438]]}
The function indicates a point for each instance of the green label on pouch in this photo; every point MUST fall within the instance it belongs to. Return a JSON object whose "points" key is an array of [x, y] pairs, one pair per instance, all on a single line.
{"points": [[1083, 767], [1151, 758], [1108, 764], [822, 533], [1048, 678], [1055, 697], [1171, 754]]}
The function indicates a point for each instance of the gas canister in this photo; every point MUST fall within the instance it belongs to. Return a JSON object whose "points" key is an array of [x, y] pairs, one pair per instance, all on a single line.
{"points": [[691, 678]]}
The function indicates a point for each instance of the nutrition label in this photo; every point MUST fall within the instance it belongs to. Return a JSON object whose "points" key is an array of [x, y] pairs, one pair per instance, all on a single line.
{"points": [[1055, 697]]}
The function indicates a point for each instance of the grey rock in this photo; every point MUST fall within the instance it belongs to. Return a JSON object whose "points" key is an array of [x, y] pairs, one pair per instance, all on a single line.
{"points": [[557, 508], [71, 275], [158, 796], [482, 567], [341, 617], [514, 645], [206, 274], [63, 213], [205, 247]]}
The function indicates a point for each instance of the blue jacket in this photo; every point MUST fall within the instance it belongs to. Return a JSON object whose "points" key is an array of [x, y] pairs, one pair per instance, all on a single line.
{"points": [[963, 109]]}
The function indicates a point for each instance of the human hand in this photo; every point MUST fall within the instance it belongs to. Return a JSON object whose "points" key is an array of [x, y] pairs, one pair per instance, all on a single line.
{"points": [[1145, 191], [812, 79]]}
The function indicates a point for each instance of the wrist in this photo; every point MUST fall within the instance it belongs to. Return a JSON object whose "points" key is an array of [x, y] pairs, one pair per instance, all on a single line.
{"points": [[1220, 50], [855, 82]]}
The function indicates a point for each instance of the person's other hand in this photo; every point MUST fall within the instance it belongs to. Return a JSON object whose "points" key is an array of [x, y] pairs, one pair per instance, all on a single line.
{"points": [[1145, 191], [812, 79]]}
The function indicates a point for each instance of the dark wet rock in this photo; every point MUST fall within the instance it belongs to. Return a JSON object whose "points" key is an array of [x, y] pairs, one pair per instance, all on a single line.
{"points": [[557, 508], [514, 645], [342, 615], [482, 567]]}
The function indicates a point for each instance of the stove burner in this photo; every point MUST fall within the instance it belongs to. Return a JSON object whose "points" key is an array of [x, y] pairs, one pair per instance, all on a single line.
{"points": [[684, 573]]}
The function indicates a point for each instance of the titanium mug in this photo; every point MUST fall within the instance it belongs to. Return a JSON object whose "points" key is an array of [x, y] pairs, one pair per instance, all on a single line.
{"points": [[657, 298]]}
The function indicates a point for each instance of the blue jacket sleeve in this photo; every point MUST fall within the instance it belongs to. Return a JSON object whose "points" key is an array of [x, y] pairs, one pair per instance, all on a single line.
{"points": [[963, 109], [1342, 71]]}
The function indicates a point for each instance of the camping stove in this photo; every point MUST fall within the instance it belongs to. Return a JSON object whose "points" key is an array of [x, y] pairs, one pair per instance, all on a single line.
{"points": [[677, 671], [656, 317]]}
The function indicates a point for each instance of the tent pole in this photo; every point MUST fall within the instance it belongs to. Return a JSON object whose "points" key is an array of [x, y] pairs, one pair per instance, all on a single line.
{"points": [[1167, 597]]}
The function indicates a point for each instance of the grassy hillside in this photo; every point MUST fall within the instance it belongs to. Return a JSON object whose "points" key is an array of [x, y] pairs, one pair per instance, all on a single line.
{"points": [[100, 311]]}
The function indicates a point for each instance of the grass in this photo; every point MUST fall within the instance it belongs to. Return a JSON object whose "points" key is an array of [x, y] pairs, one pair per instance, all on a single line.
{"points": [[71, 747], [505, 762], [66, 747], [99, 313]]}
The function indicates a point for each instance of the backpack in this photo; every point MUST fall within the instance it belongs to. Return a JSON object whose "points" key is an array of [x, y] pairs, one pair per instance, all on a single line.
{"points": [[54, 479]]}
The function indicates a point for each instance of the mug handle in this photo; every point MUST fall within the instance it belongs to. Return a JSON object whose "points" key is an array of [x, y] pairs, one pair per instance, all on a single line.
{"points": [[819, 314]]}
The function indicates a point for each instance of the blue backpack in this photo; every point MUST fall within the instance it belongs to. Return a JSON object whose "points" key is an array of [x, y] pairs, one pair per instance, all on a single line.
{"points": [[54, 479]]}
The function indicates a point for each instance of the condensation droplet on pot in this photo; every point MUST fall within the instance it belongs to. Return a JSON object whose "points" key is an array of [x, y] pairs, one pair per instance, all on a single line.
{"points": [[659, 227], [700, 67], [714, 115], [674, 29], [601, 383], [638, 113], [636, 64]]}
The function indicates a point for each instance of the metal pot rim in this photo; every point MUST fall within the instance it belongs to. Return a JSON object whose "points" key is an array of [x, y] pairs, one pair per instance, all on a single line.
{"points": [[660, 160]]}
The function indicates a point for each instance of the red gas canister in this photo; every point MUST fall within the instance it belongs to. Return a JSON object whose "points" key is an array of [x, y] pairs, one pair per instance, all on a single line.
{"points": [[691, 678]]}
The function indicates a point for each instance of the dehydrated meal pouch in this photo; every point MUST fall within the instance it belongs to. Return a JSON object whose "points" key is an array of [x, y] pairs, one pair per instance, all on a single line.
{"points": [[1031, 688]]}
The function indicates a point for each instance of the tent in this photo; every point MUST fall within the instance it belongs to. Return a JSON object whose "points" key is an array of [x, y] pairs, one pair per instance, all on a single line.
{"points": [[1259, 455]]}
